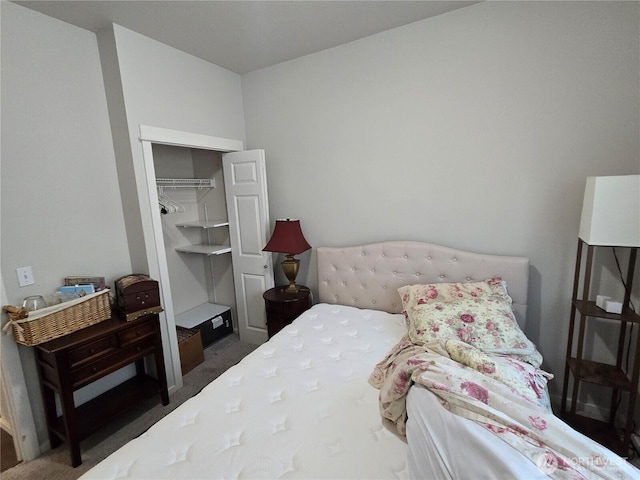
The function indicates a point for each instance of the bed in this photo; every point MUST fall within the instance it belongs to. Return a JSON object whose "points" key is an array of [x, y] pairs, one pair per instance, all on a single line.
{"points": [[303, 405]]}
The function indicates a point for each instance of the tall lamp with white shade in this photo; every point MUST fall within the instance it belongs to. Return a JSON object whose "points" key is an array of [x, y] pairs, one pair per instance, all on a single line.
{"points": [[610, 218], [611, 211]]}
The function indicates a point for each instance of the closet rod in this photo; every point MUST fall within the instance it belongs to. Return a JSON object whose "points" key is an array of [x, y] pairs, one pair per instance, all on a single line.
{"points": [[186, 182]]}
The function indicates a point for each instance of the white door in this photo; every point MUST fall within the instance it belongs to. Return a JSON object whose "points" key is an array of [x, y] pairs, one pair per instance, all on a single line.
{"points": [[245, 184]]}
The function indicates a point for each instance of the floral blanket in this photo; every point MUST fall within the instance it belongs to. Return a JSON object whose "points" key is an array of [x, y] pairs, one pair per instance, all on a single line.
{"points": [[504, 394]]}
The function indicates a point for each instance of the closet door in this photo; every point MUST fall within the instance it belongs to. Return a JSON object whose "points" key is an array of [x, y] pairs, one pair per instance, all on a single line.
{"points": [[245, 184]]}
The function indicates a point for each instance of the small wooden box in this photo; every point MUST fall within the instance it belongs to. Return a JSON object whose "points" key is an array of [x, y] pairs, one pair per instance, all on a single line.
{"points": [[137, 295], [190, 348]]}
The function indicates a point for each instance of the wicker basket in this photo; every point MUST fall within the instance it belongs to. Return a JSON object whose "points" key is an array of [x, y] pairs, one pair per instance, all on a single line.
{"points": [[58, 320]]}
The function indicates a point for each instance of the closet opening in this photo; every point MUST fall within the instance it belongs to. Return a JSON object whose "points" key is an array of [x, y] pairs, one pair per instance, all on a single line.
{"points": [[226, 184], [195, 227]]}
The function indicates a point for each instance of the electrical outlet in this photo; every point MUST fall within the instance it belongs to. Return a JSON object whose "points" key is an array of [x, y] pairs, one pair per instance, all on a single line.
{"points": [[25, 276]]}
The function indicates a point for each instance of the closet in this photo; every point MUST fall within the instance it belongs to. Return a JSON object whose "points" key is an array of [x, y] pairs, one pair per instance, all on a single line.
{"points": [[213, 238], [191, 199]]}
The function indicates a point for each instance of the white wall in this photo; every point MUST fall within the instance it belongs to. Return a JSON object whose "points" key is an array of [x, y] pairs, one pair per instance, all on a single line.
{"points": [[62, 211], [164, 87], [475, 129], [60, 201], [151, 84]]}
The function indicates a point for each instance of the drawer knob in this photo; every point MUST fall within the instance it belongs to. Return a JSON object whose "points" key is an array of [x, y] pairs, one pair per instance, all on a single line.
{"points": [[138, 348], [91, 350], [94, 369]]}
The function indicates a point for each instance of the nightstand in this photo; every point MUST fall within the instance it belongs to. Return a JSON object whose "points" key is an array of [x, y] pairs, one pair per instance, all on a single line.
{"points": [[283, 307]]}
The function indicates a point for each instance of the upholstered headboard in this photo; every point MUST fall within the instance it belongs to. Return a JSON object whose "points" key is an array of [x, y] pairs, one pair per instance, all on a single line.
{"points": [[368, 276]]}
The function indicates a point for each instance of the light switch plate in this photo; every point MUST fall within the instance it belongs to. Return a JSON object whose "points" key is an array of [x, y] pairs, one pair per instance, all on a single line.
{"points": [[25, 276]]}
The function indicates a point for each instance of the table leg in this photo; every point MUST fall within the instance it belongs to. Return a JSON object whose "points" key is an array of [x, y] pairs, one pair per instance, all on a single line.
{"points": [[48, 398], [71, 425], [162, 373]]}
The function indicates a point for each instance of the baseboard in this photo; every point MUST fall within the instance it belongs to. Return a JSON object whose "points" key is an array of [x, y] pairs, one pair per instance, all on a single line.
{"points": [[590, 409]]}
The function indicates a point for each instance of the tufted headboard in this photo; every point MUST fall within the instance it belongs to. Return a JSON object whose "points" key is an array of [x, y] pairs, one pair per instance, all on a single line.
{"points": [[368, 276]]}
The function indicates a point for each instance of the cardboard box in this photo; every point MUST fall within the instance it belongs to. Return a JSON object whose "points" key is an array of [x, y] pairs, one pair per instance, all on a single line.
{"points": [[190, 348]]}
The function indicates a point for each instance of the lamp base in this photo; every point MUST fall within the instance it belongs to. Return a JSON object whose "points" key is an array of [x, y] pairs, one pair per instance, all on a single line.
{"points": [[290, 268]]}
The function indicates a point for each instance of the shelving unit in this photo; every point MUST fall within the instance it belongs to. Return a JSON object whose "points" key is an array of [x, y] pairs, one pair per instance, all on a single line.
{"points": [[615, 376], [205, 248], [213, 320]]}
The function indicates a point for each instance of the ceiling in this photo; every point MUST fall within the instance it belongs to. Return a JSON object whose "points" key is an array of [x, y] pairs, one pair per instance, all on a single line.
{"points": [[242, 36]]}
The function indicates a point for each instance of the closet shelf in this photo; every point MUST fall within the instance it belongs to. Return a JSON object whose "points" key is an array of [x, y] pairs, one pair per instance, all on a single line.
{"points": [[204, 224], [205, 249], [186, 182]]}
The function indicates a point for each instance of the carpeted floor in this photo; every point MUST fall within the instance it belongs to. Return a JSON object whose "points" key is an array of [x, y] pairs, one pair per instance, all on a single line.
{"points": [[56, 464]]}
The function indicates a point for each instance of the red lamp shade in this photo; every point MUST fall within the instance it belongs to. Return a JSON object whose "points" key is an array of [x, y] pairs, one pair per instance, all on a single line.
{"points": [[287, 238]]}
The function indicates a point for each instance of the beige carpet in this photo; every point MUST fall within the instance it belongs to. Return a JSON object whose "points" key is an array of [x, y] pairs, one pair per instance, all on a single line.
{"points": [[56, 464]]}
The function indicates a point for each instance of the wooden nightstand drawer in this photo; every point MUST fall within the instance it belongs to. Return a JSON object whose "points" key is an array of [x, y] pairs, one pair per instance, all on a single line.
{"points": [[91, 351], [136, 332], [111, 363]]}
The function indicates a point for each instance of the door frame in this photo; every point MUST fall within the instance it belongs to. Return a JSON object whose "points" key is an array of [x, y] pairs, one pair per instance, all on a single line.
{"points": [[156, 257], [7, 419], [16, 404]]}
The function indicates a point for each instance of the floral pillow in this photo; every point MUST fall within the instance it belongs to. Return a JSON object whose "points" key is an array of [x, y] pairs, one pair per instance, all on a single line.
{"points": [[412, 295], [487, 322]]}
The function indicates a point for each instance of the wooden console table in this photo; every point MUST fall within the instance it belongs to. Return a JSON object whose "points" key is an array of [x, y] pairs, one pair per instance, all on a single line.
{"points": [[69, 363]]}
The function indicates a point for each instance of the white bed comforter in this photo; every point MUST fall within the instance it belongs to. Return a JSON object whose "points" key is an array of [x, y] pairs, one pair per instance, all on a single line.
{"points": [[299, 406]]}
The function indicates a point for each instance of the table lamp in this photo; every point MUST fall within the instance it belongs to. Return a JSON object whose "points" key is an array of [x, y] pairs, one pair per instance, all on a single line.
{"points": [[611, 211], [287, 238]]}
